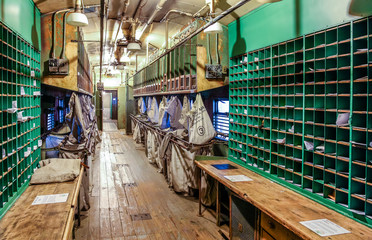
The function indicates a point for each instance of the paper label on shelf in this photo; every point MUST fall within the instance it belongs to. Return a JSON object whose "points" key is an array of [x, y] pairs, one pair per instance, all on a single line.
{"points": [[238, 178], [257, 67], [291, 130], [50, 199], [324, 227], [343, 119], [35, 147], [28, 63], [20, 116], [34, 83], [245, 111], [39, 142], [23, 91], [14, 104], [4, 153], [309, 145], [34, 125], [256, 59], [240, 145], [26, 154], [37, 93], [32, 73]]}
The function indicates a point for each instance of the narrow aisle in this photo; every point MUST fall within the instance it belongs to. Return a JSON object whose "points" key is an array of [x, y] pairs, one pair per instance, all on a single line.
{"points": [[127, 189]]}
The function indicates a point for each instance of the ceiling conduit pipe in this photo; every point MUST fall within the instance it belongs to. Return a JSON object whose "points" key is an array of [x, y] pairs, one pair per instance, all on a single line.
{"points": [[178, 12], [69, 9], [53, 54], [125, 7], [166, 34], [63, 55], [213, 21], [165, 18], [101, 39], [159, 6], [197, 14]]}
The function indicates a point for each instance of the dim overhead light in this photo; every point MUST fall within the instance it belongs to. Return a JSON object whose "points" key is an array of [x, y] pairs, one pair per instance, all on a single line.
{"points": [[77, 18], [134, 46], [214, 28]]}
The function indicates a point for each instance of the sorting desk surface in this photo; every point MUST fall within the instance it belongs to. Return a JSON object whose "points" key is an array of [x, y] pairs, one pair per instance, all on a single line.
{"points": [[46, 221], [282, 204]]}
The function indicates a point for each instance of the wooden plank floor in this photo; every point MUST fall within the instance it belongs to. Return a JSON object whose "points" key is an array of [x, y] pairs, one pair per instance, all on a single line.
{"points": [[124, 184]]}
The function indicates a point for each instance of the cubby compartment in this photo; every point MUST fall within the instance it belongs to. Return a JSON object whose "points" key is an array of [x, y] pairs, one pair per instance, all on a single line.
{"points": [[19, 146], [310, 117]]}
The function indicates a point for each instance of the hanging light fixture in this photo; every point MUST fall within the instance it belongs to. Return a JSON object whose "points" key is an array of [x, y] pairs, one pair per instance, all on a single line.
{"points": [[134, 45], [360, 7], [216, 27], [78, 18]]}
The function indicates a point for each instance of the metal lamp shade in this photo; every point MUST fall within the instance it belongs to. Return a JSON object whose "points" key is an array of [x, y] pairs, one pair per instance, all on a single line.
{"points": [[214, 28], [77, 19]]}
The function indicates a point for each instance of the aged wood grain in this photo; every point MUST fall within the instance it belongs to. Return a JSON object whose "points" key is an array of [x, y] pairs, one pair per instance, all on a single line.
{"points": [[173, 216], [285, 206]]}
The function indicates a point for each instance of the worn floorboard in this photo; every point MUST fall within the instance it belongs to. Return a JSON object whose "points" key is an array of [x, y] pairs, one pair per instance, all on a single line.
{"points": [[124, 183]]}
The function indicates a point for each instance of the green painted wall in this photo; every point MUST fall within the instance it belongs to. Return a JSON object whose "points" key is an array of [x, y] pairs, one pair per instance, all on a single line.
{"points": [[23, 17], [125, 107], [277, 22]]}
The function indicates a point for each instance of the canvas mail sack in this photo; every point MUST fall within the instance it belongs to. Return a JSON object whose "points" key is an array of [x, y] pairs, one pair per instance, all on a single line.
{"points": [[201, 127]]}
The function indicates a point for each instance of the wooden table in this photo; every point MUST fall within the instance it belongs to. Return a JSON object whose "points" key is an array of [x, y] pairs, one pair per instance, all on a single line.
{"points": [[285, 206], [46, 221]]}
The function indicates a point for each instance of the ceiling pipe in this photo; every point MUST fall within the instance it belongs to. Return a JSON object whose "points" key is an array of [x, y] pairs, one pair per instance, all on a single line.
{"points": [[101, 39], [178, 12], [166, 34], [69, 9], [138, 6], [125, 7], [63, 55], [197, 14], [53, 54], [106, 15], [213, 21], [159, 6]]}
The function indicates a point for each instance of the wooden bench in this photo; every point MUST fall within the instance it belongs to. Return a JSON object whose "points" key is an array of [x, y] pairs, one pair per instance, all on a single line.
{"points": [[46, 221], [285, 207]]}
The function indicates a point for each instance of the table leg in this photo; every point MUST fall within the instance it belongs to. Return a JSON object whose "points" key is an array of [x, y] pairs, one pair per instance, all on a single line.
{"points": [[200, 191], [218, 204], [78, 205], [230, 213]]}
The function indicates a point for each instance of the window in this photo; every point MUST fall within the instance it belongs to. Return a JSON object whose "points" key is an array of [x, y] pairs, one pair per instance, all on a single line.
{"points": [[61, 114], [221, 118], [50, 119]]}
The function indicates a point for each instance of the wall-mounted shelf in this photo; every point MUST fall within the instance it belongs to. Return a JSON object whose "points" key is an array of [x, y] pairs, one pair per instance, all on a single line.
{"points": [[285, 103], [19, 133], [183, 68]]}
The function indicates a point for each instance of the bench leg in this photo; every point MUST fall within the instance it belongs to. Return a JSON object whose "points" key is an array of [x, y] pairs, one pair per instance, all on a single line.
{"points": [[78, 205]]}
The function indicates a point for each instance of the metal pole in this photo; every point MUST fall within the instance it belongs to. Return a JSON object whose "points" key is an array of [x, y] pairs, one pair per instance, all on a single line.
{"points": [[166, 34], [101, 39], [147, 51]]}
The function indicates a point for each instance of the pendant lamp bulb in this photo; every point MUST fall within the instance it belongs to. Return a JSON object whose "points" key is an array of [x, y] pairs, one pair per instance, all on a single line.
{"points": [[78, 18]]}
